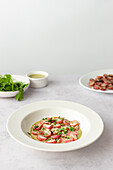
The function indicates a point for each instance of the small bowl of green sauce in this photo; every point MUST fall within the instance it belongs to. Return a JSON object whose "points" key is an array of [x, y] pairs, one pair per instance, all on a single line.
{"points": [[38, 79]]}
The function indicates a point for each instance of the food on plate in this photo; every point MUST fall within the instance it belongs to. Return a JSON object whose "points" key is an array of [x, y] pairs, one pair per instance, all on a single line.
{"points": [[55, 130], [104, 82], [8, 84], [37, 76]]}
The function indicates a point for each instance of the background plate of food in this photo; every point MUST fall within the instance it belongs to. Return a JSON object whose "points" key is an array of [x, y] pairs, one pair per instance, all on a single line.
{"points": [[98, 81]]}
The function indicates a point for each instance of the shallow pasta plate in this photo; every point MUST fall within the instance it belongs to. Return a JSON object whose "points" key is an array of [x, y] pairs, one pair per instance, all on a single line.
{"points": [[13, 93], [20, 121], [84, 80]]}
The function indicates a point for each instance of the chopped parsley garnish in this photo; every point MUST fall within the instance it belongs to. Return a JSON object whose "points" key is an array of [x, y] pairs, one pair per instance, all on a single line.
{"points": [[57, 139], [43, 128], [71, 128], [45, 134], [62, 128], [59, 133], [48, 139], [36, 126], [65, 131], [54, 123], [43, 119], [54, 119], [62, 124], [59, 129], [67, 137]]}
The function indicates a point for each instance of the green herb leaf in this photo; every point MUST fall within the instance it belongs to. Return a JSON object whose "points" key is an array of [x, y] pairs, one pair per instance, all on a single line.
{"points": [[36, 126], [54, 123], [59, 133], [57, 139], [71, 128], [65, 131], [67, 137], [20, 95]]}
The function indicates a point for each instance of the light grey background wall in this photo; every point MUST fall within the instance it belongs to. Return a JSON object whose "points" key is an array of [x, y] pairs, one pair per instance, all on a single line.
{"points": [[58, 36]]}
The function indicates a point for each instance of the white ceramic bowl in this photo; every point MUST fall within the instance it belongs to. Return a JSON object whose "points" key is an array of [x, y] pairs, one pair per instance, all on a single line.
{"points": [[20, 121], [38, 83], [13, 93]]}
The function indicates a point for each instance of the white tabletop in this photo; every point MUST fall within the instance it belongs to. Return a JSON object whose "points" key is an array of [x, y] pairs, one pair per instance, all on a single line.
{"points": [[97, 156]]}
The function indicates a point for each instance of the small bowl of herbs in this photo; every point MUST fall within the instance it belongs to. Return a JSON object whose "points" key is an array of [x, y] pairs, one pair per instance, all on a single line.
{"points": [[13, 85]]}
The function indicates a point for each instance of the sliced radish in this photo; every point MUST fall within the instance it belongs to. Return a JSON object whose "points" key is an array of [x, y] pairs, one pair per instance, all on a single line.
{"points": [[103, 85], [37, 126], [111, 81], [105, 76], [35, 132], [91, 83], [55, 131], [96, 87], [76, 127], [46, 133], [56, 126], [47, 126], [103, 88], [111, 75], [67, 139], [44, 122], [66, 122], [59, 140], [99, 77], [59, 120], [99, 83], [110, 78], [55, 136], [74, 135], [51, 141], [92, 80], [74, 123], [110, 87], [63, 134], [106, 81], [41, 138]]}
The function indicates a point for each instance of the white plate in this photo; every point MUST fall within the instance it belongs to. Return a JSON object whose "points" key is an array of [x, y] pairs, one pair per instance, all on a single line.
{"points": [[84, 80], [20, 121], [13, 93]]}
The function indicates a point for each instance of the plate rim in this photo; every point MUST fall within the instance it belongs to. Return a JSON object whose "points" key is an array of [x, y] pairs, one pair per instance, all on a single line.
{"points": [[54, 150]]}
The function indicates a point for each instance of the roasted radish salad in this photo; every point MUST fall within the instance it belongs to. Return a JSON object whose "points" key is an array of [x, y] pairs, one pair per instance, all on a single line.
{"points": [[55, 130], [104, 82]]}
